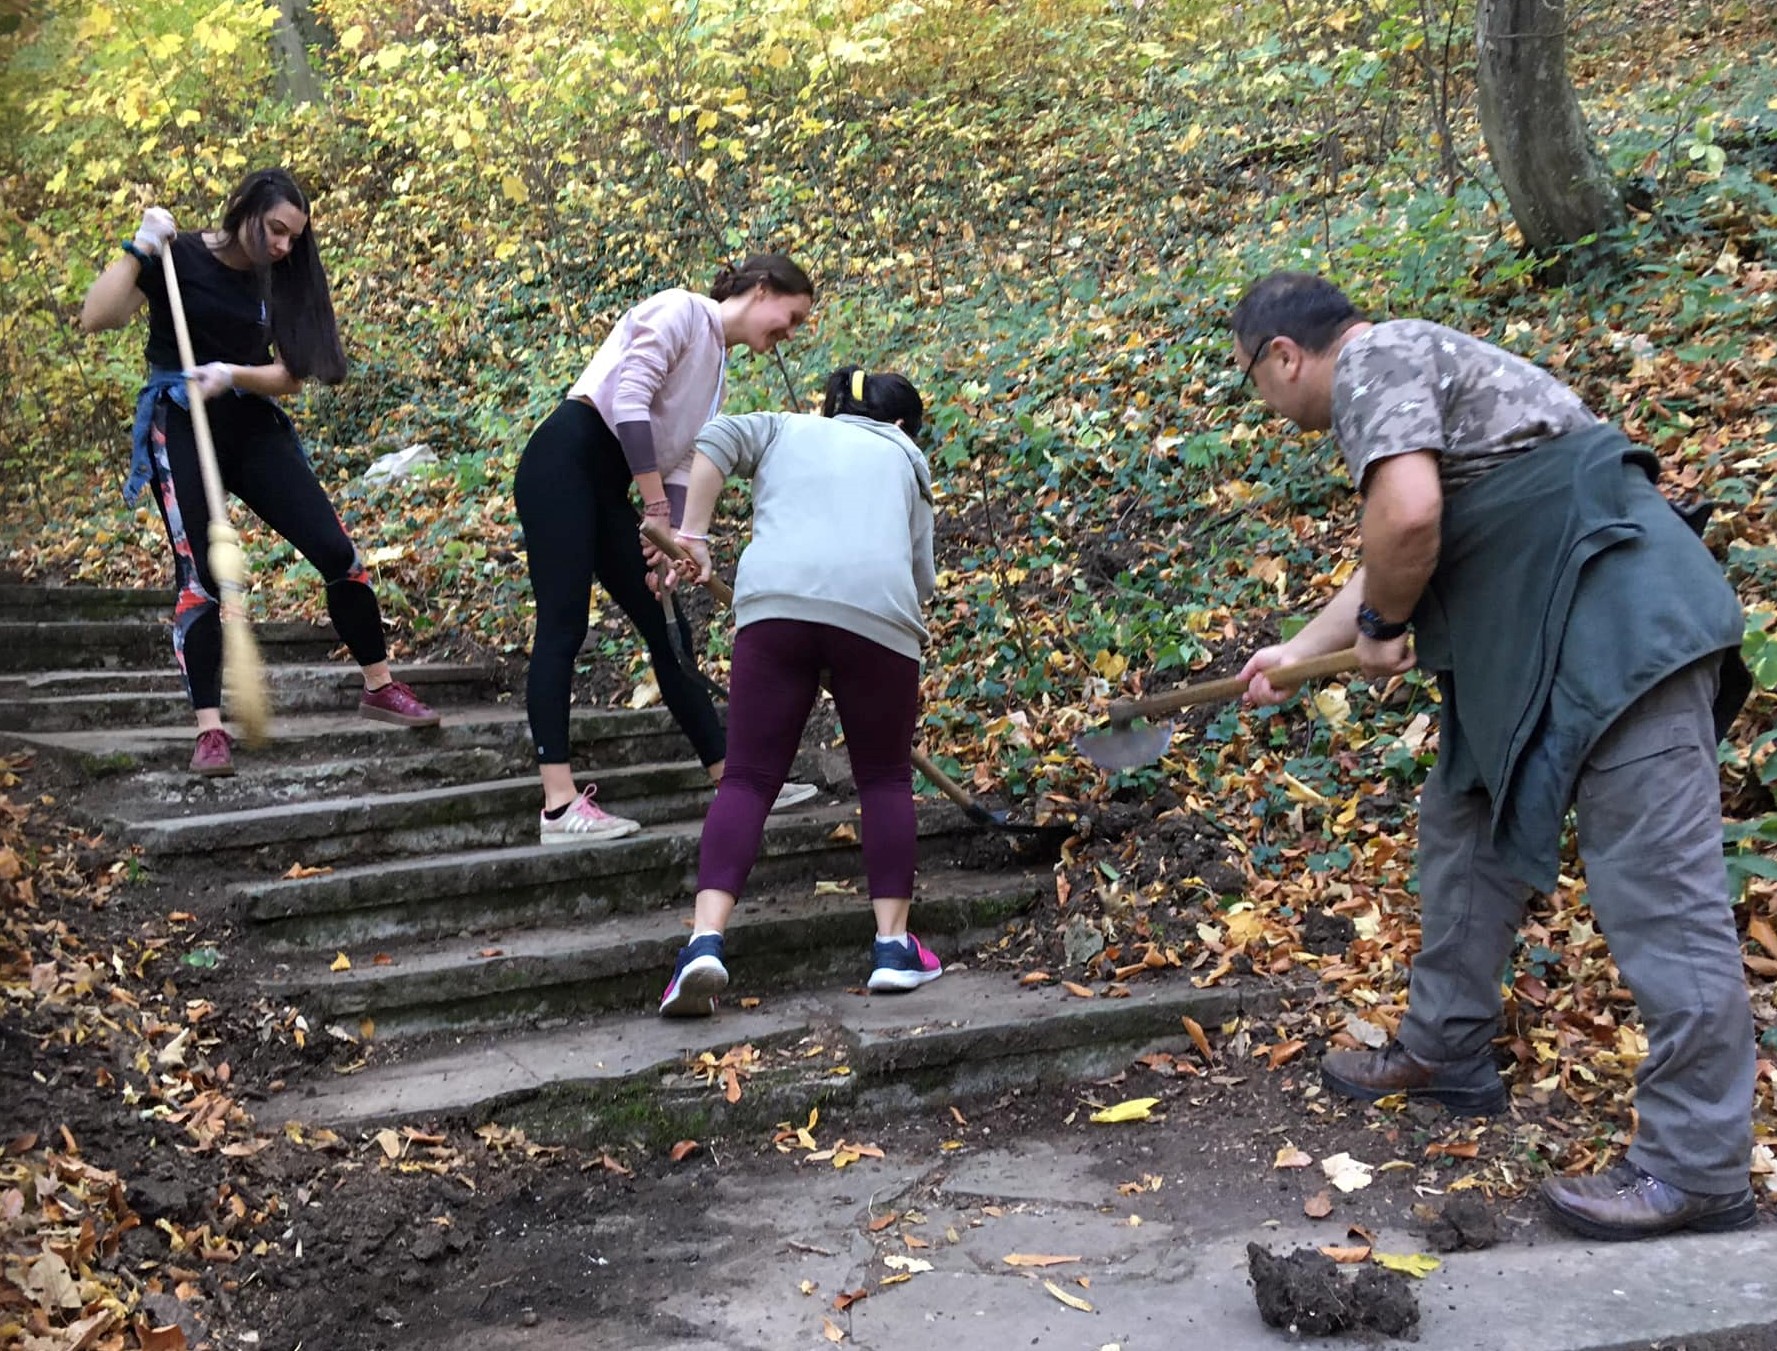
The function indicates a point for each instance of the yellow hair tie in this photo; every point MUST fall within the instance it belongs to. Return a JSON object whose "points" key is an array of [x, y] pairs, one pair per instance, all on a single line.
{"points": [[857, 385]]}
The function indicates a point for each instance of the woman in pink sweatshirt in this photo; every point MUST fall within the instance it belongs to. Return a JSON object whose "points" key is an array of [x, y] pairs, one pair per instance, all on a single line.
{"points": [[629, 420]]}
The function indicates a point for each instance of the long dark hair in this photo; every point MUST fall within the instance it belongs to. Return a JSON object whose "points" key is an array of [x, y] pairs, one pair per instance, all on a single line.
{"points": [[772, 270], [303, 328], [888, 396]]}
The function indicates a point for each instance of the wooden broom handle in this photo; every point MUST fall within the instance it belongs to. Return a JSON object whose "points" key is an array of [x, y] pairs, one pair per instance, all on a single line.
{"points": [[200, 417]]}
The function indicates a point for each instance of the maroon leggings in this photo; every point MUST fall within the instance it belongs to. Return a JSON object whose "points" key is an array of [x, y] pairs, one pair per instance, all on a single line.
{"points": [[778, 666]]}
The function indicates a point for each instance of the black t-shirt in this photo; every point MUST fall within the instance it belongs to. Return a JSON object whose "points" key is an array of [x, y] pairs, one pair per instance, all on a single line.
{"points": [[225, 309]]}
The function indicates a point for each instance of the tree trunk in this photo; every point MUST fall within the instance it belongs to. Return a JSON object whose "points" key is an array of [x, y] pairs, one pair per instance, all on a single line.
{"points": [[1536, 134], [296, 78]]}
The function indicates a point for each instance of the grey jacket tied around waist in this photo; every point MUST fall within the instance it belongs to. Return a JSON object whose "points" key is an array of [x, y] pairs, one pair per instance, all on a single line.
{"points": [[1566, 588]]}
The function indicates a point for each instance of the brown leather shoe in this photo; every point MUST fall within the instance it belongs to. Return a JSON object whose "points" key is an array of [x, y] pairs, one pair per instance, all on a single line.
{"points": [[1629, 1202], [1471, 1086]]}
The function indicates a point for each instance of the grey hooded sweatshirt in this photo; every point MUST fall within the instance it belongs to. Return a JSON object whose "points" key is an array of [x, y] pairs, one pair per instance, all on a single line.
{"points": [[842, 523]]}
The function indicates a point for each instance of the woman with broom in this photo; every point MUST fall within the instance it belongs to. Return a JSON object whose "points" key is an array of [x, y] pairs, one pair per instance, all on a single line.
{"points": [[261, 322]]}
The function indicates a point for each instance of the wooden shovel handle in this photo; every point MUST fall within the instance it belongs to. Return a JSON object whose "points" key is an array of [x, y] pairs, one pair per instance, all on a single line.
{"points": [[664, 541], [1125, 711]]}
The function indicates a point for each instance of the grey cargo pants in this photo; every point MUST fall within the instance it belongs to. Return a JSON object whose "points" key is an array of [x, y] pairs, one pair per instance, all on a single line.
{"points": [[1649, 817]]}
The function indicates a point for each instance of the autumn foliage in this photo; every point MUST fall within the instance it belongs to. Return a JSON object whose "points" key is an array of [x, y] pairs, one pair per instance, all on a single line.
{"points": [[1041, 212]]}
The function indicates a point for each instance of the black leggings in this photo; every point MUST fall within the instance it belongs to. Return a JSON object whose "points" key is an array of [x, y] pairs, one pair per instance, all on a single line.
{"points": [[262, 464], [572, 493]]}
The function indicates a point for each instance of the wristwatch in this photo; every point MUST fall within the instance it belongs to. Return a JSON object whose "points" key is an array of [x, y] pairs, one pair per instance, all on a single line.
{"points": [[1371, 624]]}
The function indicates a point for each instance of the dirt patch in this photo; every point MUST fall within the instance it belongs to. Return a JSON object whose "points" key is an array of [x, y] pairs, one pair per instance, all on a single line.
{"points": [[1324, 932], [1462, 1222], [1305, 1293]]}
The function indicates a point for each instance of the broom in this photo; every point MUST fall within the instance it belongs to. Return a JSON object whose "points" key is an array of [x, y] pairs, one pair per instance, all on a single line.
{"points": [[243, 673]]}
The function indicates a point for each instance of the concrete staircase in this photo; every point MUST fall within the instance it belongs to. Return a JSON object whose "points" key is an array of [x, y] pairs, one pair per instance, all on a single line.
{"points": [[488, 973]]}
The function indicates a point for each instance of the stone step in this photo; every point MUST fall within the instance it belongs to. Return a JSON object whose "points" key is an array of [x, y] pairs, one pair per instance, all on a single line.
{"points": [[308, 688], [781, 939], [627, 1075], [427, 820], [49, 644], [409, 764], [160, 678], [33, 600], [598, 736], [503, 889]]}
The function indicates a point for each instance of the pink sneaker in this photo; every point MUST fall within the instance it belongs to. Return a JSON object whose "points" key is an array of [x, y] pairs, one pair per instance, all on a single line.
{"points": [[397, 703], [583, 821], [214, 756]]}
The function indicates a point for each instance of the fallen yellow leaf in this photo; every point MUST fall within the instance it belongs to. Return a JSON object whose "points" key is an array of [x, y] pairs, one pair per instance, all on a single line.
{"points": [[341, 963], [1135, 1109], [1291, 1157], [1072, 1301], [1415, 1264], [1036, 1259]]}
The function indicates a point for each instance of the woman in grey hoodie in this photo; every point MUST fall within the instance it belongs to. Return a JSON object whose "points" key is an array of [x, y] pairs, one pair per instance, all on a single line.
{"points": [[832, 584]]}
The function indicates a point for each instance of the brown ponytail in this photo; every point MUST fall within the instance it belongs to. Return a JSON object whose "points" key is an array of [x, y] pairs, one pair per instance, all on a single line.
{"points": [[772, 270]]}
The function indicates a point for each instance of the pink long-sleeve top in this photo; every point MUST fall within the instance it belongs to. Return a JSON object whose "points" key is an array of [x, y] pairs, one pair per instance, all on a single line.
{"points": [[664, 364]]}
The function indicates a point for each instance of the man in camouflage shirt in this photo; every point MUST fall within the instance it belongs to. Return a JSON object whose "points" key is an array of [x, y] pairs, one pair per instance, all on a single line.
{"points": [[1584, 627]]}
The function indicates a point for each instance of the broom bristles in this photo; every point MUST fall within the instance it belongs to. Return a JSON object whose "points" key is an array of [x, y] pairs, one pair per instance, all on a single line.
{"points": [[243, 681], [243, 672]]}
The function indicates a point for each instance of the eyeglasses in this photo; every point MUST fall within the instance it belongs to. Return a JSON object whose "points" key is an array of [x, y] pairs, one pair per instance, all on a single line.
{"points": [[1246, 376]]}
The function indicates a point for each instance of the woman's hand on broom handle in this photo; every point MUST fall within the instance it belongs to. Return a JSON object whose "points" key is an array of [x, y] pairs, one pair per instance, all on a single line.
{"points": [[155, 230], [212, 378]]}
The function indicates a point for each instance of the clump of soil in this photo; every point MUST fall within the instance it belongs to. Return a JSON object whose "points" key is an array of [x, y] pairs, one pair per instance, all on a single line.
{"points": [[1463, 1222], [1304, 1292], [1325, 933]]}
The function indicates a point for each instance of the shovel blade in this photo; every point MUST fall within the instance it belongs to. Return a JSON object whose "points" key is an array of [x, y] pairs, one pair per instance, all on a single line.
{"points": [[1125, 747]]}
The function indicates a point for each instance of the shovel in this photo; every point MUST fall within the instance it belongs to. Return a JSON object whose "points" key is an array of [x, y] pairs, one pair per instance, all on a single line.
{"points": [[980, 815], [1123, 746]]}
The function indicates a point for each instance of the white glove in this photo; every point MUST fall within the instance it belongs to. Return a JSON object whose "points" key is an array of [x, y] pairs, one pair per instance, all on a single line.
{"points": [[212, 378], [156, 228]]}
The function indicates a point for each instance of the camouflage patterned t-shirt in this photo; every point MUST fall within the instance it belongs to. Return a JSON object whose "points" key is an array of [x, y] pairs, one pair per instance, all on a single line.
{"points": [[1409, 384]]}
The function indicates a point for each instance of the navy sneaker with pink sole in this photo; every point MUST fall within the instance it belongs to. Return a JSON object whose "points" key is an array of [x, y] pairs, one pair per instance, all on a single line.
{"points": [[903, 964]]}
